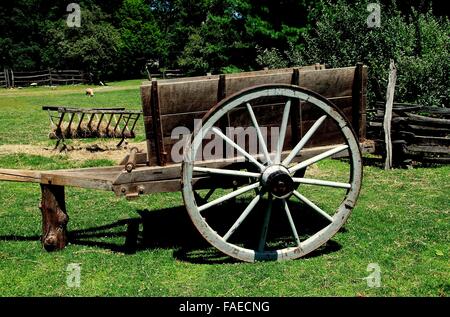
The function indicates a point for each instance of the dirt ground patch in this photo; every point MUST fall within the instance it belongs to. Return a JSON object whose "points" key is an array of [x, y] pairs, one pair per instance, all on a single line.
{"points": [[78, 151]]}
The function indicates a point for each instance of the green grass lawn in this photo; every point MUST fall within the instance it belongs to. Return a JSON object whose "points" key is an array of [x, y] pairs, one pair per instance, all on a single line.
{"points": [[401, 222], [23, 121]]}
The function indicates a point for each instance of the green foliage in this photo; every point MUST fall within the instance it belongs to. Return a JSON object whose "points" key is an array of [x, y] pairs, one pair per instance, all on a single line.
{"points": [[231, 69], [118, 37], [271, 57], [141, 37], [93, 47], [418, 44], [216, 44], [232, 29]]}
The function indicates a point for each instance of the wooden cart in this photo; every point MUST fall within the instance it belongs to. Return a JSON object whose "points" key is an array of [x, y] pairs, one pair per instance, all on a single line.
{"points": [[293, 117]]}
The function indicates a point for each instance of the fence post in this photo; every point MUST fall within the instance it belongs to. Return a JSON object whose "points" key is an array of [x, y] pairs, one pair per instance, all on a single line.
{"points": [[6, 80], [388, 114], [6, 74], [50, 76], [12, 78]]}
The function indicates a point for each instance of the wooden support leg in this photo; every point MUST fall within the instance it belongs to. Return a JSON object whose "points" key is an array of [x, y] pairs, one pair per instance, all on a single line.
{"points": [[54, 217]]}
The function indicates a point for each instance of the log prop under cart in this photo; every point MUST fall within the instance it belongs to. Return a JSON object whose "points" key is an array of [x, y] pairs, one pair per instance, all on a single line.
{"points": [[316, 113]]}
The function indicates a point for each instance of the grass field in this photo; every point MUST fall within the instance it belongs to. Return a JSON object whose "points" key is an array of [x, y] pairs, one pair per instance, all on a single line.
{"points": [[401, 222]]}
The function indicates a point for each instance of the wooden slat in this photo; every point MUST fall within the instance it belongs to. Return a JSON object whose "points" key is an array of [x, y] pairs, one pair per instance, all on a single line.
{"points": [[161, 154], [176, 97], [435, 122], [170, 122], [20, 175], [336, 82], [237, 83], [74, 180], [148, 124], [357, 95], [388, 114], [428, 149]]}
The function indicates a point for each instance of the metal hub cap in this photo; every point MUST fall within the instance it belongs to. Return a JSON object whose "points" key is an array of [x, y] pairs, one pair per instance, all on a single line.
{"points": [[278, 182]]}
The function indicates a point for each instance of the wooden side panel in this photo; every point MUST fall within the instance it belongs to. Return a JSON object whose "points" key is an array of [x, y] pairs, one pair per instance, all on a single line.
{"points": [[237, 83], [187, 79], [190, 96], [183, 100], [336, 82]]}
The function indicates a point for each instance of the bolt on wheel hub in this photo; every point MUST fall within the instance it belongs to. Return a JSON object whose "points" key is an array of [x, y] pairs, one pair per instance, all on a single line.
{"points": [[277, 180]]}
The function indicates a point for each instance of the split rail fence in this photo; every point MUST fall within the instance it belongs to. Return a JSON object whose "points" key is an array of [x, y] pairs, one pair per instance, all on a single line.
{"points": [[11, 79], [418, 133]]}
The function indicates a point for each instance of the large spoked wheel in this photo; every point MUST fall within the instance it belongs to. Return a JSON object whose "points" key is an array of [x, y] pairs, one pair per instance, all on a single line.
{"points": [[272, 185]]}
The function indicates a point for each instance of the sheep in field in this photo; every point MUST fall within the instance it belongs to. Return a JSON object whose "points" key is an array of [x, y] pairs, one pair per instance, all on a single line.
{"points": [[90, 92]]}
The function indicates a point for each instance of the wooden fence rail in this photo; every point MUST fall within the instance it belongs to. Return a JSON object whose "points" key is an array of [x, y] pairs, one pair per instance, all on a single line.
{"points": [[418, 133], [10, 78]]}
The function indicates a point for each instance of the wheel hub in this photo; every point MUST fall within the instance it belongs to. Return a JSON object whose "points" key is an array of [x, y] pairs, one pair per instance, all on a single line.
{"points": [[277, 180]]}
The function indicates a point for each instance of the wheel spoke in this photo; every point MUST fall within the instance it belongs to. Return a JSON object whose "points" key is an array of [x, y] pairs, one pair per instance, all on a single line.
{"points": [[225, 172], [209, 194], [262, 240], [242, 217], [199, 198], [303, 141], [312, 205], [284, 123], [262, 143], [237, 147], [320, 182], [291, 222], [228, 196], [317, 158]]}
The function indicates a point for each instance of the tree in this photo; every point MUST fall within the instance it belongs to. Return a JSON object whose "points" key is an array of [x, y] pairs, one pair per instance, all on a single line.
{"points": [[340, 38], [141, 37], [233, 28], [93, 47]]}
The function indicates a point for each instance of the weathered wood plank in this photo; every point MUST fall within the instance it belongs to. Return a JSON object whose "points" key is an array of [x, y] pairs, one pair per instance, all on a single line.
{"points": [[422, 120], [74, 180], [179, 97], [388, 114], [336, 82], [237, 83], [411, 138], [424, 130], [428, 149], [20, 175], [148, 123]]}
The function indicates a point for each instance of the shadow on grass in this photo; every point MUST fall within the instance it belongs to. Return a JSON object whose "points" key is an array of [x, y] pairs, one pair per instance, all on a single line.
{"points": [[172, 229]]}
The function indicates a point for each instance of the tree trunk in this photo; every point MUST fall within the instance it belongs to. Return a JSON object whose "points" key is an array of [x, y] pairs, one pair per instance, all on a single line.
{"points": [[54, 217]]}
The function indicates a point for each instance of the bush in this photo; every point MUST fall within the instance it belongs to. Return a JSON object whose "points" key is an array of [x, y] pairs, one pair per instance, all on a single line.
{"points": [[340, 37]]}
